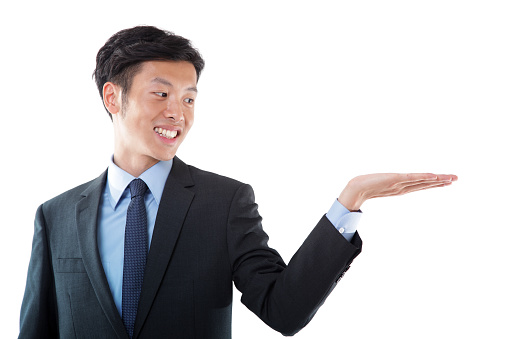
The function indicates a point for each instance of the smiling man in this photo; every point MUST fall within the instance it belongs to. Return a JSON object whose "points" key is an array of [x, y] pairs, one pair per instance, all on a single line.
{"points": [[150, 248], [157, 115]]}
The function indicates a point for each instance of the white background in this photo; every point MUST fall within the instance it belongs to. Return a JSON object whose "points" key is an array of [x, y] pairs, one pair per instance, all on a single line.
{"points": [[296, 99]]}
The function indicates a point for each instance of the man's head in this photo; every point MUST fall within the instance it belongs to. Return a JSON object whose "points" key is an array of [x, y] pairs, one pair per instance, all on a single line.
{"points": [[147, 79], [122, 55]]}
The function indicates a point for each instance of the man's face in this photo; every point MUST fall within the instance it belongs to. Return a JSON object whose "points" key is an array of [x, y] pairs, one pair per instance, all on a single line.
{"points": [[158, 114]]}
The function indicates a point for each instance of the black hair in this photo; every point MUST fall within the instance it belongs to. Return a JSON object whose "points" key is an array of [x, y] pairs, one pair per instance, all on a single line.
{"points": [[122, 55]]}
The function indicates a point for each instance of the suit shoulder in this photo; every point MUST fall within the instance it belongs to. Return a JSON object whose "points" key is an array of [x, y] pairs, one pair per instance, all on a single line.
{"points": [[209, 178], [71, 196]]}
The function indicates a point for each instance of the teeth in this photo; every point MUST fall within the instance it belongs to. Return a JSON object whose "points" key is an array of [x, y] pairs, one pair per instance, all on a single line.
{"points": [[166, 133]]}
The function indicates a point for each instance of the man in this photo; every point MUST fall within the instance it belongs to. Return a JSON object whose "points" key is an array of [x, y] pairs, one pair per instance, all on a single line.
{"points": [[150, 248]]}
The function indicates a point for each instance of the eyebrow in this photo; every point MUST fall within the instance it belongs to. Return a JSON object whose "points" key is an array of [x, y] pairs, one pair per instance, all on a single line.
{"points": [[167, 83]]}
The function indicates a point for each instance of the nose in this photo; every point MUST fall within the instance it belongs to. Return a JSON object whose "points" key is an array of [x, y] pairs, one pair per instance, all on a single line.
{"points": [[174, 111]]}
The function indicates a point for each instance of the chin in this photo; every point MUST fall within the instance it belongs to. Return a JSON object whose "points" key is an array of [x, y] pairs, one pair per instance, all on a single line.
{"points": [[166, 157]]}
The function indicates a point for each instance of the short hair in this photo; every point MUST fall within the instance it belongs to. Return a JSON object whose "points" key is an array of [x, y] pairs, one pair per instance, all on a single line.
{"points": [[121, 57]]}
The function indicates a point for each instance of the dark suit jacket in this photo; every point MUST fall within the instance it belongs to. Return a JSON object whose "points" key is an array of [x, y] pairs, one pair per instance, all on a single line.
{"points": [[207, 233]]}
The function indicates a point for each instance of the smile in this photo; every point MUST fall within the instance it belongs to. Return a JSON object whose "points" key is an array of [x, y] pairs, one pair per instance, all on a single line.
{"points": [[165, 133]]}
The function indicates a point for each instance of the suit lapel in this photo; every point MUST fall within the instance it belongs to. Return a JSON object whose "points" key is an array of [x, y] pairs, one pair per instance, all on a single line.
{"points": [[171, 215], [86, 220]]}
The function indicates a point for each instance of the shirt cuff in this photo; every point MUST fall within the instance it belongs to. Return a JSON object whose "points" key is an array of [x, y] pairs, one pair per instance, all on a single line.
{"points": [[345, 221]]}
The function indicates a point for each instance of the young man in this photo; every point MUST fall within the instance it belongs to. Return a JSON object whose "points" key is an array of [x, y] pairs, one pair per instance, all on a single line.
{"points": [[150, 248]]}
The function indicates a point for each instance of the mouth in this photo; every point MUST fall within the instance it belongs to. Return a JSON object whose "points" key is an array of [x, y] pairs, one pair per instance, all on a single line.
{"points": [[166, 133]]}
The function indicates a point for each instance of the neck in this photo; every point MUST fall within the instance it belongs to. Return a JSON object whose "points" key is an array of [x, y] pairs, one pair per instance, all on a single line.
{"points": [[135, 166]]}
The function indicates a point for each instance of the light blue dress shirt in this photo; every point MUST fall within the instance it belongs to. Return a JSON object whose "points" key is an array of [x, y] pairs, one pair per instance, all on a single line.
{"points": [[112, 217], [113, 210]]}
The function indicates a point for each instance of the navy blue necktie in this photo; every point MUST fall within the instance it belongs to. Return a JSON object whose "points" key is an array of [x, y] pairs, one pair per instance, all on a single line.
{"points": [[135, 253]]}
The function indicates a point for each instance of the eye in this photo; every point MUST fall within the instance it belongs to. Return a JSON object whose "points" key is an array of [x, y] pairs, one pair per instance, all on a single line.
{"points": [[189, 100], [161, 94]]}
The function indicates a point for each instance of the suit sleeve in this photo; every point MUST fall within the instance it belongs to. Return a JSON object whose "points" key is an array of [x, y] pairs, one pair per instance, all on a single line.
{"points": [[284, 297], [38, 317]]}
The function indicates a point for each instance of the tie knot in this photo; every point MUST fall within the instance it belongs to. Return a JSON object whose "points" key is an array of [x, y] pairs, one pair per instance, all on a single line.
{"points": [[137, 187]]}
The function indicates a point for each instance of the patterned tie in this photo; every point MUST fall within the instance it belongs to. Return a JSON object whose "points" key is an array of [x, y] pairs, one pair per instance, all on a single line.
{"points": [[135, 253]]}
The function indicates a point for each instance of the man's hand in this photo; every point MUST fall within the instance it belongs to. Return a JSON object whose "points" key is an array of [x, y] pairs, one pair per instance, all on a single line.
{"points": [[369, 186]]}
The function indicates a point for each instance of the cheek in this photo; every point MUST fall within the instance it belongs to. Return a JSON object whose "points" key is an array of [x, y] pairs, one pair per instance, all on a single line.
{"points": [[189, 119]]}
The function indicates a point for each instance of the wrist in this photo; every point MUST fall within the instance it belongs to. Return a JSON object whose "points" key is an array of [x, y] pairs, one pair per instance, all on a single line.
{"points": [[351, 197]]}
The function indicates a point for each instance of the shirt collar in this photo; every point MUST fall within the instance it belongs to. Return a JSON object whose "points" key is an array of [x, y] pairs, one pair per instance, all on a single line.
{"points": [[155, 178]]}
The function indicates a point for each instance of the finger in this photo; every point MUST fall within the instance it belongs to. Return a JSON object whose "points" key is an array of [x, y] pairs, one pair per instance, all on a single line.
{"points": [[450, 177], [422, 187], [412, 188], [417, 178], [409, 178]]}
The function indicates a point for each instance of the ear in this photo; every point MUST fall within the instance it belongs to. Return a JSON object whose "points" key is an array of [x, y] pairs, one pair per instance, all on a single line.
{"points": [[112, 97]]}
